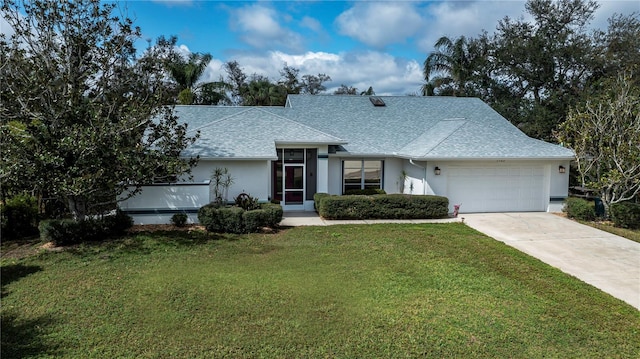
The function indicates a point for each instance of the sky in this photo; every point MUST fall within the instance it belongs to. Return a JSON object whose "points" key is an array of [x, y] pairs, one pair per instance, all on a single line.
{"points": [[357, 43]]}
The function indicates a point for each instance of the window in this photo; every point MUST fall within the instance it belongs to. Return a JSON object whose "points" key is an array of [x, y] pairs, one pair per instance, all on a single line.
{"points": [[361, 174]]}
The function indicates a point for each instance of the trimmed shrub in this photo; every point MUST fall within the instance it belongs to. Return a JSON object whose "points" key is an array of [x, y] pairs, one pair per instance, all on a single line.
{"points": [[625, 214], [580, 209], [273, 214], [317, 198], [364, 192], [236, 220], [395, 206], [231, 219], [207, 216], [19, 217], [64, 232], [347, 207], [179, 219], [118, 224], [254, 220]]}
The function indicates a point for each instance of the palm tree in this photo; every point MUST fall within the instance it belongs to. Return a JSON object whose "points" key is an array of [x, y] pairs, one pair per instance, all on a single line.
{"points": [[187, 73], [449, 68]]}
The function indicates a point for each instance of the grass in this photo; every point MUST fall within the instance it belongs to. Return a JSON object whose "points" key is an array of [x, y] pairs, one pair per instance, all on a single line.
{"points": [[439, 290], [632, 234]]}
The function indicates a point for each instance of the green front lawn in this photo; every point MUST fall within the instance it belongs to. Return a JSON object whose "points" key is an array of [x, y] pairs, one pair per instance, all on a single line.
{"points": [[365, 291], [632, 234]]}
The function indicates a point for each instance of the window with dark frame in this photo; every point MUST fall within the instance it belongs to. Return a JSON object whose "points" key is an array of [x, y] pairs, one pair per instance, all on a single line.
{"points": [[361, 174]]}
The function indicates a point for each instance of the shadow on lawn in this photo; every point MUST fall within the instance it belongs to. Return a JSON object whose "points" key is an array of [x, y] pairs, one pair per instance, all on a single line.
{"points": [[12, 272], [142, 243], [22, 338], [25, 338]]}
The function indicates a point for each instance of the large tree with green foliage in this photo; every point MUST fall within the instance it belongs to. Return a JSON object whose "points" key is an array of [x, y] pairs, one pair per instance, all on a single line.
{"points": [[453, 67], [187, 71], [259, 91], [82, 117], [605, 135], [545, 62], [532, 71]]}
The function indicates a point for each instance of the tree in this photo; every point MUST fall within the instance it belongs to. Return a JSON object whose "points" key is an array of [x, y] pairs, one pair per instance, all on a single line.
{"points": [[451, 68], [236, 80], [83, 119], [289, 79], [617, 50], [346, 90], [605, 135], [313, 85], [187, 73], [261, 92], [545, 62]]}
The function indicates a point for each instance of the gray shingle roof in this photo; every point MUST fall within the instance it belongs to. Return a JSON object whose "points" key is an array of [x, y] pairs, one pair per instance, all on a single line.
{"points": [[245, 132], [409, 127]]}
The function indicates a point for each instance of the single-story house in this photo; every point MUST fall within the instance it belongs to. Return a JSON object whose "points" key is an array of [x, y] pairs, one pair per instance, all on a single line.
{"points": [[455, 147]]}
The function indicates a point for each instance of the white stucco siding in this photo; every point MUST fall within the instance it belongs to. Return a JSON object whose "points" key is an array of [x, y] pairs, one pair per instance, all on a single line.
{"points": [[252, 177], [558, 185], [335, 175], [415, 182], [391, 175], [155, 204]]}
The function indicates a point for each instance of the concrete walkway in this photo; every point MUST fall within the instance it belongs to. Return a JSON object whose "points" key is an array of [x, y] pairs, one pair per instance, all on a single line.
{"points": [[606, 261], [296, 219]]}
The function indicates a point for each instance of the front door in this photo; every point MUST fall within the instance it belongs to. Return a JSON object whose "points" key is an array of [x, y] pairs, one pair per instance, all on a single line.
{"points": [[293, 185], [289, 178]]}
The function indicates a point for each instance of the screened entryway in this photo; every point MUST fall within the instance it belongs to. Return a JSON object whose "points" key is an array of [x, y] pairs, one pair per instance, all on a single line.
{"points": [[294, 177]]}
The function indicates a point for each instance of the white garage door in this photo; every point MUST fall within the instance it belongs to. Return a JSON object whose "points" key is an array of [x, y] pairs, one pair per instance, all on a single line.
{"points": [[497, 188]]}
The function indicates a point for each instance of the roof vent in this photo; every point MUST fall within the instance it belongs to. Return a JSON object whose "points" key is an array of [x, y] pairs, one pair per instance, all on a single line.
{"points": [[377, 101]]}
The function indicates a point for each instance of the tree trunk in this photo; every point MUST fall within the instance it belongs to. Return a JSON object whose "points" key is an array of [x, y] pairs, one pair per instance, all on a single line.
{"points": [[77, 207]]}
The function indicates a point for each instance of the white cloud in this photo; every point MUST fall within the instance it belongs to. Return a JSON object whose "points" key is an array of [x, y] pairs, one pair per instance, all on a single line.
{"points": [[379, 24], [387, 74], [259, 27], [468, 18], [311, 23], [372, 24]]}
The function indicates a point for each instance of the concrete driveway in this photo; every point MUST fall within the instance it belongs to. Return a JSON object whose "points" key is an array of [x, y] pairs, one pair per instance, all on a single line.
{"points": [[606, 261]]}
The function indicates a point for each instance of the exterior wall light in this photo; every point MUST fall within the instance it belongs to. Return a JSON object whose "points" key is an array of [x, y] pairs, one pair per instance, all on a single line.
{"points": [[437, 171], [561, 169]]}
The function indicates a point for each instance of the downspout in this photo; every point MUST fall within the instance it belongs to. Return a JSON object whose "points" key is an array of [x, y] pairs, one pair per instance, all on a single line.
{"points": [[424, 178]]}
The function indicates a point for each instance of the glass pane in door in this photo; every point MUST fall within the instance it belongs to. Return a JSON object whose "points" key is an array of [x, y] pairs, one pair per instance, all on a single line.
{"points": [[293, 184]]}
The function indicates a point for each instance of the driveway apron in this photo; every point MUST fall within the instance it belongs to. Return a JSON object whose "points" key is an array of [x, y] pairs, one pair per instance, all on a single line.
{"points": [[606, 261]]}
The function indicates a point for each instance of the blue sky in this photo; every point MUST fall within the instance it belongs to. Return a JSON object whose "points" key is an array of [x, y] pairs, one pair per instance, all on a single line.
{"points": [[358, 43]]}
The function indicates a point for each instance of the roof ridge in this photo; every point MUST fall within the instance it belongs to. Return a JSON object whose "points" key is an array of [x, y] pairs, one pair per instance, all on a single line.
{"points": [[463, 121], [298, 123]]}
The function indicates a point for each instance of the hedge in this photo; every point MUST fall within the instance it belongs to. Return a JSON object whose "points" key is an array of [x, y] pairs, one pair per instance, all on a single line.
{"points": [[19, 217], [365, 192], [68, 231], [236, 220], [393, 206], [317, 198], [579, 208], [625, 214]]}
